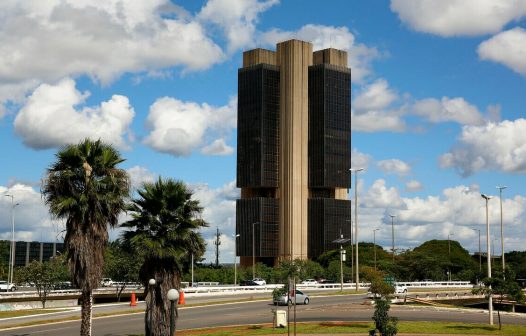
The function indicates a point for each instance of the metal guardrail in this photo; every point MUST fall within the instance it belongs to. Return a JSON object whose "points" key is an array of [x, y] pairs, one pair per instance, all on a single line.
{"points": [[213, 287]]}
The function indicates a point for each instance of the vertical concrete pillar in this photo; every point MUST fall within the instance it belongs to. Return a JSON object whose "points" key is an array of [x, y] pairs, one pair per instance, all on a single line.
{"points": [[293, 57]]}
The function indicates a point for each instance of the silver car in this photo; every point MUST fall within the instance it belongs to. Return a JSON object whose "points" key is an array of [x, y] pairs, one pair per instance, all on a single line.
{"points": [[301, 298]]}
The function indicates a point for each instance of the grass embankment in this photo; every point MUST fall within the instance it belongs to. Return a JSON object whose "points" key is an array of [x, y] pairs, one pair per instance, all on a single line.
{"points": [[26, 312], [328, 328]]}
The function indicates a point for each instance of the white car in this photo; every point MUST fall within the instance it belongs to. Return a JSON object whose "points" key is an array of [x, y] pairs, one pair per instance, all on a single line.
{"points": [[301, 298], [7, 287], [399, 288], [106, 282], [309, 282], [259, 281]]}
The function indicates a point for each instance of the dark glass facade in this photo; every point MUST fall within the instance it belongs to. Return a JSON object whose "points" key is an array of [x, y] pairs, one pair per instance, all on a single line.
{"points": [[329, 126], [328, 219], [25, 252], [258, 124], [265, 213]]}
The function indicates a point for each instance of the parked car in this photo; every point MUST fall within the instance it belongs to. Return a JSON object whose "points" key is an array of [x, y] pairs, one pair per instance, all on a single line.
{"points": [[7, 287], [260, 281], [399, 288], [248, 283], [309, 282], [63, 285], [106, 282], [301, 298]]}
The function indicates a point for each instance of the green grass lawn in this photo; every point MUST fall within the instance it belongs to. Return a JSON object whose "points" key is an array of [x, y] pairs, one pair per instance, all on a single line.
{"points": [[334, 328], [26, 312]]}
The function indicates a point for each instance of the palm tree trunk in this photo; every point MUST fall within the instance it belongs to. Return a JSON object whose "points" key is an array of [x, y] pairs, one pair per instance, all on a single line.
{"points": [[157, 317], [86, 312]]}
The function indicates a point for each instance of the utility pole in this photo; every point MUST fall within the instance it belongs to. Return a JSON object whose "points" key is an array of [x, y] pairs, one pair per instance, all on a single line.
{"points": [[502, 232], [392, 232], [217, 242]]}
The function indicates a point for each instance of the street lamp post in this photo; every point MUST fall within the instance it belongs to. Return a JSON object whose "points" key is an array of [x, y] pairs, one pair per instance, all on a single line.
{"points": [[341, 241], [392, 233], [254, 249], [173, 296], [374, 246], [488, 258], [12, 249], [151, 284], [235, 258], [357, 269], [449, 254], [502, 231]]}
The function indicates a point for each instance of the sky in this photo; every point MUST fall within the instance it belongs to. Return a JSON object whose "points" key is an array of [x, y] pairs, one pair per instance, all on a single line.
{"points": [[438, 105]]}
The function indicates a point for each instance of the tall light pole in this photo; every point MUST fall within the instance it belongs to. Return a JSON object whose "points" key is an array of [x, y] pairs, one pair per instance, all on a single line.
{"points": [[235, 258], [480, 253], [12, 249], [374, 246], [357, 268], [449, 254], [502, 231], [254, 250], [392, 233], [488, 258]]}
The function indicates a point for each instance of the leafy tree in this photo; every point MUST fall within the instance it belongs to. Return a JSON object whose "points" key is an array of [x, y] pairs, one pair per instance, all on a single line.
{"points": [[121, 265], [382, 291], [501, 288], [45, 275], [163, 230], [85, 187]]}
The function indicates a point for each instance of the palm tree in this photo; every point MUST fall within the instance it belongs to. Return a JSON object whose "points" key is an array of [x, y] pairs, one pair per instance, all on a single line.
{"points": [[85, 187], [163, 229]]}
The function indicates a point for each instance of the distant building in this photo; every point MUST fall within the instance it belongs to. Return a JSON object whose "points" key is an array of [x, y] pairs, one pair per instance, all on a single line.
{"points": [[26, 252], [293, 152]]}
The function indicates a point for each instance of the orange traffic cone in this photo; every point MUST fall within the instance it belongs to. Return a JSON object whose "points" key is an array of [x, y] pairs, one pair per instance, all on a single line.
{"points": [[133, 301], [181, 298]]}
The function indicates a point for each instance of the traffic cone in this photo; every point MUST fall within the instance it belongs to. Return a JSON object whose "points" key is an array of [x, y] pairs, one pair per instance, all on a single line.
{"points": [[133, 301], [181, 298]]}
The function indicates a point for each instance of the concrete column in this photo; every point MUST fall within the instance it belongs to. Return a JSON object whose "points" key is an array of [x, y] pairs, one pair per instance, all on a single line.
{"points": [[293, 57]]}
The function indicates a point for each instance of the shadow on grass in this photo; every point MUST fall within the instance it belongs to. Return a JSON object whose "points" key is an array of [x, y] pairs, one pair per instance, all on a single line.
{"points": [[472, 328], [355, 325]]}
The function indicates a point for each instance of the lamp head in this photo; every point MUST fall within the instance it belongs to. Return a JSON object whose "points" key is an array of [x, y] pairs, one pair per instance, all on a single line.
{"points": [[173, 294], [151, 282], [486, 197], [501, 187]]}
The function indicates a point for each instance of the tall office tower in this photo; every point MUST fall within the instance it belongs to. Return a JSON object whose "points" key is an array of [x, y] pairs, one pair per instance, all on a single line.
{"points": [[294, 127]]}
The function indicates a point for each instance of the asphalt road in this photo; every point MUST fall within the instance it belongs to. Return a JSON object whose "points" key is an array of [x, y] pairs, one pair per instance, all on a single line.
{"points": [[330, 308]]}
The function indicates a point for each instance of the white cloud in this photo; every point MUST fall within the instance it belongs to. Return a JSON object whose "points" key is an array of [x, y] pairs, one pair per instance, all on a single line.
{"points": [[500, 146], [50, 118], [446, 109], [458, 17], [377, 121], [140, 175], [179, 127], [379, 196], [32, 220], [394, 166], [508, 48], [375, 96], [413, 185], [218, 147], [236, 18], [219, 211], [360, 56], [359, 159], [44, 41]]}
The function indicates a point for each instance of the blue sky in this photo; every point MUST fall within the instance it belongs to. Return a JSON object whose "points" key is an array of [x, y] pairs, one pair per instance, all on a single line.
{"points": [[437, 113]]}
